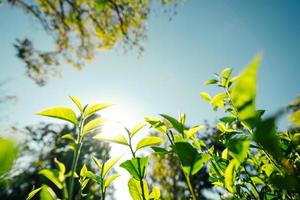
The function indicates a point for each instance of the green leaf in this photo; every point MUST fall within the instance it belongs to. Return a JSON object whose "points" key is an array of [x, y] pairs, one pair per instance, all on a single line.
{"points": [[135, 189], [159, 150], [238, 148], [136, 167], [83, 171], [175, 123], [268, 169], [205, 96], [63, 113], [243, 92], [189, 157], [119, 139], [109, 164], [225, 75], [218, 101], [192, 131], [69, 136], [110, 179], [230, 174], [221, 127], [92, 125], [295, 118], [8, 153], [51, 176], [211, 81], [61, 169], [148, 141], [137, 128], [33, 193], [97, 162], [47, 193], [157, 124], [92, 108], [265, 134], [155, 194], [77, 102], [84, 183]]}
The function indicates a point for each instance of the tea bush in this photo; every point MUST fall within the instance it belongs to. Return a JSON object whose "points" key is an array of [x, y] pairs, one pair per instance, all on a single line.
{"points": [[258, 161]]}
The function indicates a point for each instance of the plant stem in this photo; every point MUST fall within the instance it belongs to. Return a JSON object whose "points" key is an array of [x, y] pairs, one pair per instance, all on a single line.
{"points": [[139, 165], [188, 181], [75, 158], [250, 130]]}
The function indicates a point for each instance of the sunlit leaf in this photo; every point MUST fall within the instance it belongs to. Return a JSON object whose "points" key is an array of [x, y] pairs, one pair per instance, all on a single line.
{"points": [[137, 128], [175, 123], [295, 118], [92, 125], [136, 167], [51, 176], [135, 189], [190, 133], [8, 153], [119, 139], [155, 194], [69, 136], [33, 193], [77, 102], [110, 179], [159, 150], [97, 162], [63, 113], [148, 141], [238, 148], [83, 171], [225, 75], [243, 92], [109, 164], [157, 124], [230, 174], [211, 81], [47, 193], [84, 183], [61, 170], [218, 101], [190, 159], [205, 96], [93, 108]]}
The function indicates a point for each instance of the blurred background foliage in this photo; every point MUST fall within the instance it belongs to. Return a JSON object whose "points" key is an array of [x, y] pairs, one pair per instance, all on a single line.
{"points": [[79, 27], [44, 143]]}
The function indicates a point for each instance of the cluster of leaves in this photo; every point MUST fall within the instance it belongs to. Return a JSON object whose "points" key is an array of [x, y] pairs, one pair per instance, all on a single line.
{"points": [[44, 143], [258, 158], [137, 166], [86, 123], [79, 28], [254, 161]]}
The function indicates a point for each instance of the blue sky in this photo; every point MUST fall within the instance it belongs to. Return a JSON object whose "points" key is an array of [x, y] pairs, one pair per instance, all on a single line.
{"points": [[204, 37]]}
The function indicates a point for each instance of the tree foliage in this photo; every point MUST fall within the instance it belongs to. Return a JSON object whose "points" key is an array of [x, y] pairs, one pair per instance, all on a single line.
{"points": [[80, 27]]}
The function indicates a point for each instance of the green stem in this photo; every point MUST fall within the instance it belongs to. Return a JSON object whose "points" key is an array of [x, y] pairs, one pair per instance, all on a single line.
{"points": [[139, 165], [251, 182], [188, 181], [75, 158], [250, 130]]}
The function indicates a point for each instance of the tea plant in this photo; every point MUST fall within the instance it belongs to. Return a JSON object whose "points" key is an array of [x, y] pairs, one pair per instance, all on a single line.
{"points": [[257, 158], [137, 166], [84, 126], [101, 179], [183, 143]]}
